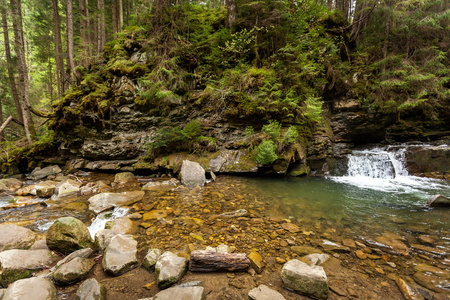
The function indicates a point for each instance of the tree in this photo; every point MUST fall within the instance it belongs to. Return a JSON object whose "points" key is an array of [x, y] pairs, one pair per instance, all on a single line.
{"points": [[70, 39], [61, 76], [16, 11]]}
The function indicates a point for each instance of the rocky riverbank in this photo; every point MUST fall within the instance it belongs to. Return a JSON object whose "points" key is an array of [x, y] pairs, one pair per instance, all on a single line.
{"points": [[173, 221]]}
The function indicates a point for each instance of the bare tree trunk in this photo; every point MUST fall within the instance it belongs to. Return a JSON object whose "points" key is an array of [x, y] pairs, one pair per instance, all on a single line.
{"points": [[89, 33], [83, 33], [120, 15], [231, 8], [101, 33], [330, 4], [16, 10], [128, 11], [50, 84], [114, 16], [385, 45], [1, 121], [70, 42], [9, 65], [58, 49]]}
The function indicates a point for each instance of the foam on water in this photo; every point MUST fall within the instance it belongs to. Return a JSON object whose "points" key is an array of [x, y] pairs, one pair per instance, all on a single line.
{"points": [[101, 219]]}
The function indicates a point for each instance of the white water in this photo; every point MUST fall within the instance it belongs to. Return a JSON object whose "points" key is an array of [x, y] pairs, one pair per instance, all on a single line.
{"points": [[383, 169], [101, 219]]}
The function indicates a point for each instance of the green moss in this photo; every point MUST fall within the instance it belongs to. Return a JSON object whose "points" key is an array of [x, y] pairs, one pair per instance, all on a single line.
{"points": [[9, 276]]}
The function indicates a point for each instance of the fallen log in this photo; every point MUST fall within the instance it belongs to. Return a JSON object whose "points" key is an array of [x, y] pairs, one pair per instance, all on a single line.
{"points": [[210, 261], [10, 118]]}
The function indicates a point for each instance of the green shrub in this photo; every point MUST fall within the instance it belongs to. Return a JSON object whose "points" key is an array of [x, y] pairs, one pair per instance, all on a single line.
{"points": [[265, 153], [290, 136], [273, 130]]}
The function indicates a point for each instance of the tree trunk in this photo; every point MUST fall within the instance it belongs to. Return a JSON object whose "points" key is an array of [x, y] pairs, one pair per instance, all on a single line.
{"points": [[231, 9], [101, 33], [385, 46], [209, 261], [128, 11], [89, 32], [330, 4], [10, 118], [83, 33], [120, 15], [9, 64], [70, 42], [114, 16], [16, 11], [58, 49]]}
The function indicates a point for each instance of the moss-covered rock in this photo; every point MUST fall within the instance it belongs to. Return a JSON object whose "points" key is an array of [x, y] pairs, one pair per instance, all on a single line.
{"points": [[68, 234]]}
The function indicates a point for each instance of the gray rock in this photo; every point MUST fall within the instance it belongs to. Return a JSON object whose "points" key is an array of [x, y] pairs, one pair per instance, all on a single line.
{"points": [[32, 288], [438, 201], [10, 185], [305, 279], [124, 177], [16, 237], [263, 292], [150, 259], [160, 185], [17, 264], [185, 293], [121, 225], [105, 201], [68, 234], [2, 292], [233, 161], [192, 174], [68, 188], [39, 245], [103, 238], [82, 253], [91, 289], [39, 173], [120, 255], [74, 270], [316, 258], [44, 189], [169, 269]]}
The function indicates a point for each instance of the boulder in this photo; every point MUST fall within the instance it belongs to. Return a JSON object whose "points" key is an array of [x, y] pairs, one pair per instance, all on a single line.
{"points": [[82, 253], [105, 201], [121, 225], [68, 188], [17, 264], [263, 292], [305, 279], [16, 237], [150, 259], [39, 173], [316, 258], [169, 269], [43, 189], [185, 293], [91, 289], [103, 238], [10, 185], [192, 174], [120, 255], [124, 177], [32, 288], [68, 234], [72, 271], [439, 201]]}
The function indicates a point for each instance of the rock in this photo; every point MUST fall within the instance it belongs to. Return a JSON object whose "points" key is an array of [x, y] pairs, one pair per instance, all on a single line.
{"points": [[17, 264], [192, 174], [103, 238], [150, 259], [124, 177], [256, 261], [155, 214], [39, 245], [68, 188], [120, 255], [39, 173], [32, 288], [233, 161], [22, 201], [91, 289], [316, 259], [360, 254], [45, 191], [10, 185], [428, 159], [263, 292], [304, 250], [234, 214], [305, 279], [438, 201], [68, 234], [169, 269], [105, 201], [161, 185], [432, 282], [185, 293], [73, 271], [408, 290], [16, 237], [82, 253], [292, 228], [121, 225], [333, 247]]}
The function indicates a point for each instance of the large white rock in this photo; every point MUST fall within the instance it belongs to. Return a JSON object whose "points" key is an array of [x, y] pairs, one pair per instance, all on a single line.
{"points": [[305, 279], [32, 288], [120, 255], [74, 270], [184, 293], [169, 269], [16, 237], [105, 201], [263, 292], [439, 201], [192, 174], [91, 289], [39, 173]]}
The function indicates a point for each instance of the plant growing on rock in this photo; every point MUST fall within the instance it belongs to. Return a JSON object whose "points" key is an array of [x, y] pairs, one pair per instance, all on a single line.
{"points": [[265, 152]]}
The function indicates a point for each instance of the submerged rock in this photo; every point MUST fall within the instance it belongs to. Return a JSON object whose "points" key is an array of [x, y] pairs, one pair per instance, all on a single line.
{"points": [[185, 293], [16, 237], [124, 177], [169, 269], [192, 174], [91, 289], [263, 292], [438, 201], [68, 234], [120, 255], [105, 201], [305, 279], [17, 264], [32, 288]]}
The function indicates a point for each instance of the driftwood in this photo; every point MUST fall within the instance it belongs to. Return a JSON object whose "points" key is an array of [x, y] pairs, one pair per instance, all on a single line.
{"points": [[210, 261]]}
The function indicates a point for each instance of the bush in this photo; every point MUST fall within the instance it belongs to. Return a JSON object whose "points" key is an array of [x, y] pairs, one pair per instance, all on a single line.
{"points": [[273, 130], [265, 153]]}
